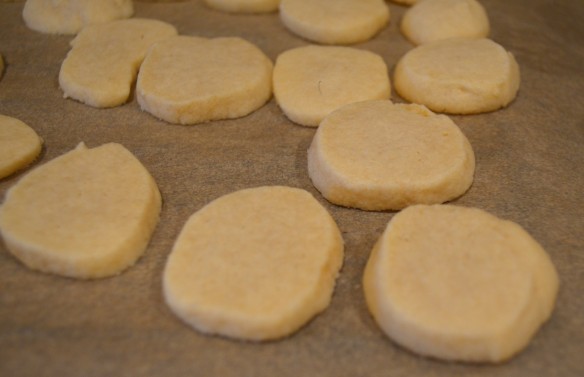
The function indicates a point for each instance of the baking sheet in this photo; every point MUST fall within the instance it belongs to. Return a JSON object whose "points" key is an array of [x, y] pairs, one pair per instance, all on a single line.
{"points": [[530, 159]]}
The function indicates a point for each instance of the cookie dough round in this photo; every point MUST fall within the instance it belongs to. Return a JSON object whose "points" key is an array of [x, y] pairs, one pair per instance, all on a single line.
{"points": [[256, 264], [458, 76], [334, 21], [459, 284], [244, 6], [86, 214], [312, 81], [70, 16], [190, 80], [104, 60], [434, 20], [19, 145], [375, 155]]}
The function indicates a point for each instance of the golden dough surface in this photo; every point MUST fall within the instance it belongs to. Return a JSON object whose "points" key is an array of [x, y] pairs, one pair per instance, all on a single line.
{"points": [[459, 284], [86, 214], [255, 264], [19, 145]]}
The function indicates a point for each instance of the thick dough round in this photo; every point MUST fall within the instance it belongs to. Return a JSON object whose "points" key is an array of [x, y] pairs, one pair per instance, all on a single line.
{"points": [[244, 6], [375, 155], [434, 20], [19, 145], [86, 214], [191, 80], [458, 76], [70, 16], [104, 60], [312, 81], [256, 264], [334, 21], [459, 284]]}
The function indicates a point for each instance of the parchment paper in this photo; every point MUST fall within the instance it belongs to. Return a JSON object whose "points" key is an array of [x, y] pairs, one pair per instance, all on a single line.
{"points": [[530, 160]]}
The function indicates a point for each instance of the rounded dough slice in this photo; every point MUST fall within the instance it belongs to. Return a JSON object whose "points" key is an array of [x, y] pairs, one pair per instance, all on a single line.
{"points": [[334, 21], [244, 6], [19, 145], [190, 80], [459, 284], [70, 16], [256, 264], [104, 60], [433, 20], [375, 155], [458, 76], [312, 81], [86, 214]]}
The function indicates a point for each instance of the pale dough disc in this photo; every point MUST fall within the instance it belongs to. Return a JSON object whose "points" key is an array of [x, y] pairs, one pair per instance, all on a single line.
{"points": [[104, 60], [19, 145], [433, 20], [244, 6], [256, 264], [375, 155], [459, 284], [312, 81], [190, 80], [458, 76], [334, 21], [86, 214], [70, 16]]}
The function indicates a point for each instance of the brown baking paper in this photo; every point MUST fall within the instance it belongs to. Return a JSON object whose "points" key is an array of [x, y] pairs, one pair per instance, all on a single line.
{"points": [[529, 170]]}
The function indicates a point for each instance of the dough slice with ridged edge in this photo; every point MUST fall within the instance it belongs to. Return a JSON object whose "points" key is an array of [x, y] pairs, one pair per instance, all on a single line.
{"points": [[86, 214], [256, 264]]}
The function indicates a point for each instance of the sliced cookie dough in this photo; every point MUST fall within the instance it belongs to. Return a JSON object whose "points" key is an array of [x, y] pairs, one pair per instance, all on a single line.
{"points": [[256, 264], [458, 76], [375, 155], [244, 6], [190, 80], [434, 20], [19, 145], [458, 283], [70, 16], [334, 21], [86, 214], [312, 81], [104, 60]]}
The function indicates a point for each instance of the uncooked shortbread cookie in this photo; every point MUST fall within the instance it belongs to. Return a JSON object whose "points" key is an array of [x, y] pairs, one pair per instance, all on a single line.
{"points": [[459, 284], [70, 16], [104, 60], [334, 21], [256, 264], [19, 145], [244, 6], [312, 81], [458, 76], [190, 80], [375, 155], [86, 214], [433, 20]]}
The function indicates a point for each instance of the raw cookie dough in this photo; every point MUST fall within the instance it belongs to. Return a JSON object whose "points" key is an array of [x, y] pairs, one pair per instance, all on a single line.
{"points": [[459, 284], [19, 145], [433, 20], [190, 80], [244, 6], [104, 60], [312, 81], [86, 214], [256, 264], [375, 155], [334, 21], [458, 76], [70, 16]]}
